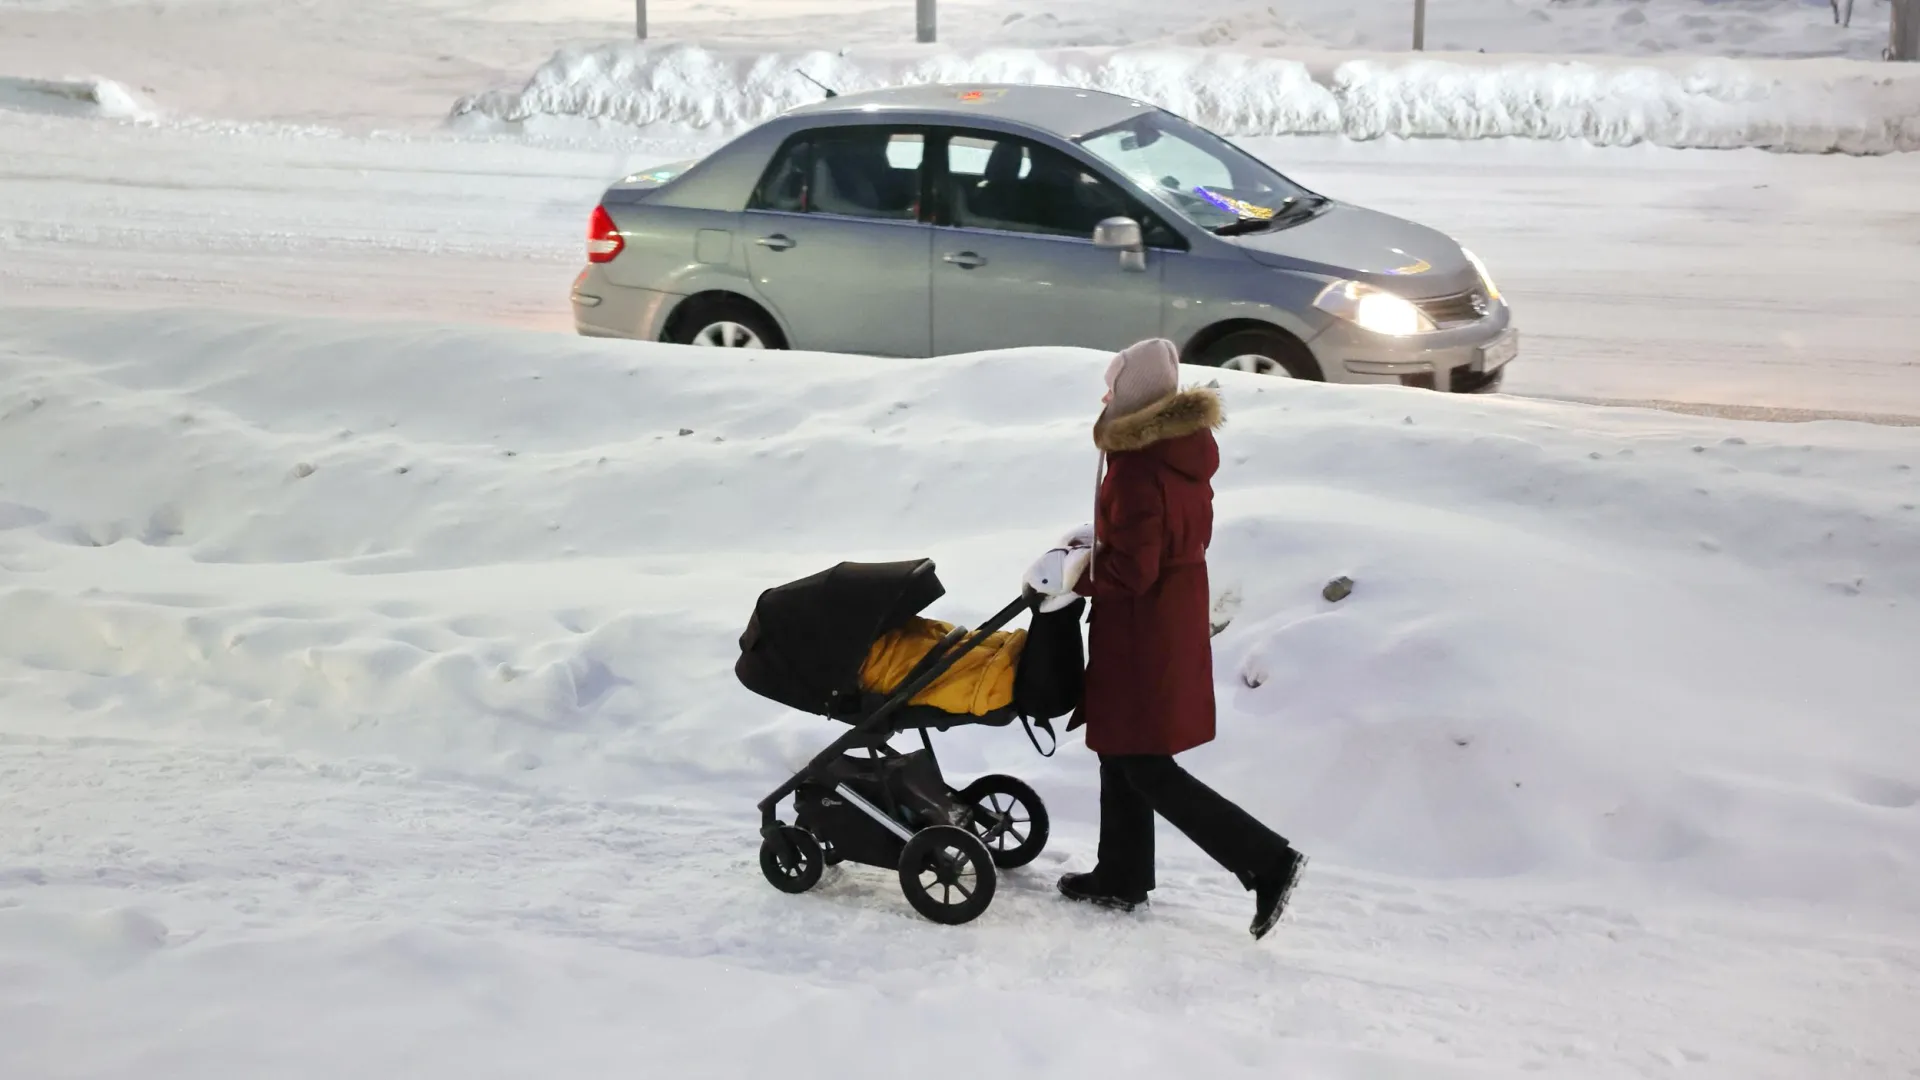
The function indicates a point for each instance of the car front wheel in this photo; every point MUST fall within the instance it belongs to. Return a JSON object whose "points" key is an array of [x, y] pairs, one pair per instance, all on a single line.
{"points": [[1262, 352]]}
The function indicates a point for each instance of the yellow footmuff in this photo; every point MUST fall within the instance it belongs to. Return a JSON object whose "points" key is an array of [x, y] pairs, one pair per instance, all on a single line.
{"points": [[980, 682]]}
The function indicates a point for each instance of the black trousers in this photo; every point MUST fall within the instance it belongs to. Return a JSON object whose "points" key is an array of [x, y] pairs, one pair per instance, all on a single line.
{"points": [[1134, 788]]}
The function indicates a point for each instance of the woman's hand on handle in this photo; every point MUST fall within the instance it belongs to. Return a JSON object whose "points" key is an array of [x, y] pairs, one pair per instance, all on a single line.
{"points": [[1055, 574]]}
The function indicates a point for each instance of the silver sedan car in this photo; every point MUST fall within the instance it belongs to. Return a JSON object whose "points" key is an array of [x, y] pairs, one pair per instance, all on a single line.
{"points": [[935, 220]]}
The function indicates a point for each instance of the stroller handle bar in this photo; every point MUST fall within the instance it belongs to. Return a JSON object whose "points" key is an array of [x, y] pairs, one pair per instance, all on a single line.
{"points": [[905, 692]]}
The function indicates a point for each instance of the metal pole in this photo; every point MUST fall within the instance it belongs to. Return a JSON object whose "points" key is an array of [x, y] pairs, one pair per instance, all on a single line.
{"points": [[924, 21], [1419, 25], [1903, 35], [640, 19]]}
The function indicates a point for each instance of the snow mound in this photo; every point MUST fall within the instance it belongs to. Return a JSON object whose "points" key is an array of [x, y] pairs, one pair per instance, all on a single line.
{"points": [[75, 97], [382, 672], [1582, 641], [101, 941], [1801, 107]]}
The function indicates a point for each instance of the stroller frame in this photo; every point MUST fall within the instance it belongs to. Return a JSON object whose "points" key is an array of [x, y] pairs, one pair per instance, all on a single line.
{"points": [[876, 725], [939, 841]]}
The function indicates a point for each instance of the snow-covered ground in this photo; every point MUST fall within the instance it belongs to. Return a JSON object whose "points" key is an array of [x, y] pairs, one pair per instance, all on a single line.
{"points": [[365, 636], [366, 709]]}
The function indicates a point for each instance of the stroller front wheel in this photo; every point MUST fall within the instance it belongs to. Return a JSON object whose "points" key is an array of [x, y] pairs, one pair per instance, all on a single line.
{"points": [[1008, 817], [947, 874], [792, 861]]}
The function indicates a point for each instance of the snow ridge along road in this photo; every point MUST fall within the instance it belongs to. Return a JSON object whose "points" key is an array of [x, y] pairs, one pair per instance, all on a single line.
{"points": [[378, 673], [1798, 107]]}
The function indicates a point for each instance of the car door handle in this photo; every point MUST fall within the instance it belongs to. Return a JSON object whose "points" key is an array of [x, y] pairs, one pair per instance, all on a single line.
{"points": [[777, 242], [965, 260]]}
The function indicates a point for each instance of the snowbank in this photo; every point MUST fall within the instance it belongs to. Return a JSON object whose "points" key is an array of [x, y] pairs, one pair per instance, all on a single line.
{"points": [[1807, 107], [75, 97], [383, 670], [305, 523]]}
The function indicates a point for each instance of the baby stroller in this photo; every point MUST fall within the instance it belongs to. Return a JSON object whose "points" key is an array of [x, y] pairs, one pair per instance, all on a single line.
{"points": [[821, 644]]}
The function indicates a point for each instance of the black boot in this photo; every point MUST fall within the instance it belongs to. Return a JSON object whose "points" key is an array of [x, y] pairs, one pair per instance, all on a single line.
{"points": [[1271, 891], [1087, 887]]}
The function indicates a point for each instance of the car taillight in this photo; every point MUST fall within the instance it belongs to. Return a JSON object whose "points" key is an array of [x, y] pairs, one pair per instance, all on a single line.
{"points": [[603, 239]]}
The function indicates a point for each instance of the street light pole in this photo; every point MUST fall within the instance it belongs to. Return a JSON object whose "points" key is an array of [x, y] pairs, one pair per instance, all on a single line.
{"points": [[925, 29], [640, 19], [1903, 36], [1419, 25]]}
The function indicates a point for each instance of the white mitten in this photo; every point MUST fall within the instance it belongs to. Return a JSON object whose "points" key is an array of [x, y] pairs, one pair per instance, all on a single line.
{"points": [[1081, 537], [1077, 560], [1055, 575], [1048, 575]]}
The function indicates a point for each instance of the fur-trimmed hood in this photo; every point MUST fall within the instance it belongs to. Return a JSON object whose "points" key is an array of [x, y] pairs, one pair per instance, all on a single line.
{"points": [[1172, 417]]}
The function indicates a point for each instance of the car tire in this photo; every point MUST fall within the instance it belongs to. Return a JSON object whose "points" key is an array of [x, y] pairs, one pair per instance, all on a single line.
{"points": [[725, 322], [1263, 351]]}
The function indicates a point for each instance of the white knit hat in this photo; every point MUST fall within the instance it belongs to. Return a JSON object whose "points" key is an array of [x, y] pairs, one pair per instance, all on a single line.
{"points": [[1142, 374]]}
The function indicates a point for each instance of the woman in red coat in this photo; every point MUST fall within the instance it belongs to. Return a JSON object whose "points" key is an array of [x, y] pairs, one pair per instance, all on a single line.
{"points": [[1149, 684]]}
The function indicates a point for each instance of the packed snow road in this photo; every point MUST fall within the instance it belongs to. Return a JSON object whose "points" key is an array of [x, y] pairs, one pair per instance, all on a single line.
{"points": [[1730, 278]]}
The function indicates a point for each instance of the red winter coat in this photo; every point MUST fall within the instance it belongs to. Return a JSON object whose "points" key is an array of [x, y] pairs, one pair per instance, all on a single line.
{"points": [[1149, 687]]}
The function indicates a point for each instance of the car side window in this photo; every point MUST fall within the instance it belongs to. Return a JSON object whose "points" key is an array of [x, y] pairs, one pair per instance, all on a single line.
{"points": [[1012, 185], [862, 172]]}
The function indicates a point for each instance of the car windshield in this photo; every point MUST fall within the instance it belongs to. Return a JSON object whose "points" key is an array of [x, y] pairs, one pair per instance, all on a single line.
{"points": [[1197, 174]]}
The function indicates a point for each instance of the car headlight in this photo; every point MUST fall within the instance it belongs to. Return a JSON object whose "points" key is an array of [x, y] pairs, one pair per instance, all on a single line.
{"points": [[1373, 309], [1493, 291]]}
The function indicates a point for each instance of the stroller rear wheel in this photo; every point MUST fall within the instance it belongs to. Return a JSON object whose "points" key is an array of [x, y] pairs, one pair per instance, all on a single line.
{"points": [[792, 861], [947, 874], [1008, 817]]}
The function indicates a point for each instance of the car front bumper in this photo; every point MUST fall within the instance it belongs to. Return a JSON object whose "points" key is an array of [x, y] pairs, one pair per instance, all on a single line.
{"points": [[1467, 359]]}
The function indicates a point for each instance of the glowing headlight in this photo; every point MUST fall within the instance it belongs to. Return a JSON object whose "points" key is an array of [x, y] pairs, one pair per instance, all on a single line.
{"points": [[1373, 309], [1493, 291]]}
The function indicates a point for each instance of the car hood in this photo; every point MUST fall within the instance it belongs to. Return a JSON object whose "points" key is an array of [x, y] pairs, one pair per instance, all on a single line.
{"points": [[1358, 244]]}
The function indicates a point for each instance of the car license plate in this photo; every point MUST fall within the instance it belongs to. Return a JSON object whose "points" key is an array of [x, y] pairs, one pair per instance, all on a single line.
{"points": [[1496, 353]]}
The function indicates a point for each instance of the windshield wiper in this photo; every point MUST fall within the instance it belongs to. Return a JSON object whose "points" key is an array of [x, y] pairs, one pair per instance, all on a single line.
{"points": [[1243, 226], [1293, 206]]}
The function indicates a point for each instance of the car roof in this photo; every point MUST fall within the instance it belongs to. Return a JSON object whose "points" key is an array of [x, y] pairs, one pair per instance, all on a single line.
{"points": [[1068, 111]]}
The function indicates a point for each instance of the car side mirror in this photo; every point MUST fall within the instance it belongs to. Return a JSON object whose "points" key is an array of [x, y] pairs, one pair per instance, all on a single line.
{"points": [[1122, 234]]}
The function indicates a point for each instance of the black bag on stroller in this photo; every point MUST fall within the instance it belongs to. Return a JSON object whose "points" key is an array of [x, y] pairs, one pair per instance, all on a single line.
{"points": [[805, 647]]}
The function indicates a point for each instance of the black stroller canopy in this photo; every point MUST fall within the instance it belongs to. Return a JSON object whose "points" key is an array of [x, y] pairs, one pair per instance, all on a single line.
{"points": [[808, 638]]}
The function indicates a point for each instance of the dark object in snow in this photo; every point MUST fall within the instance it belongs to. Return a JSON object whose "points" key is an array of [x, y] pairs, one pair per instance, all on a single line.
{"points": [[1338, 589], [805, 646], [686, 431], [302, 470]]}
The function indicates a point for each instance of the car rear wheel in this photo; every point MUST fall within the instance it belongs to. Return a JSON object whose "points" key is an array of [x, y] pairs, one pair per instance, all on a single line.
{"points": [[725, 323], [1262, 352]]}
